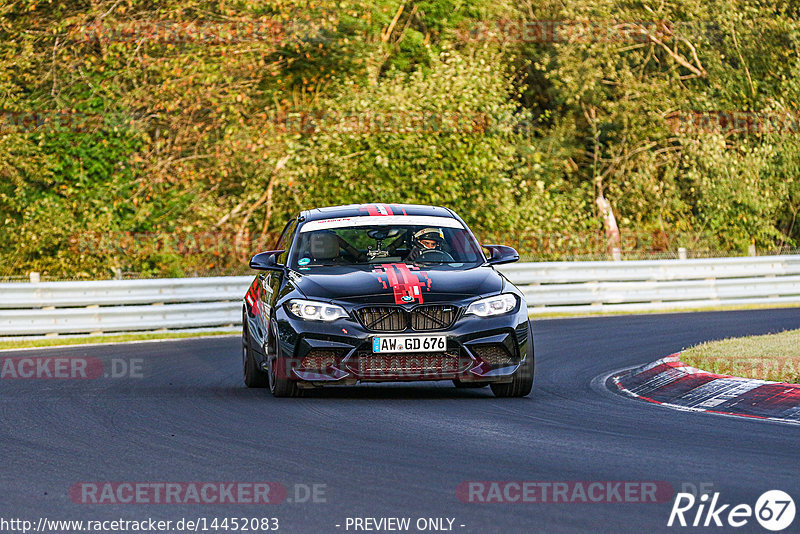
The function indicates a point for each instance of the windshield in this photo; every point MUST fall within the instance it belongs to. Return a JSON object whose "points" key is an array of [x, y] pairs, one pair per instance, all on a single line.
{"points": [[437, 244]]}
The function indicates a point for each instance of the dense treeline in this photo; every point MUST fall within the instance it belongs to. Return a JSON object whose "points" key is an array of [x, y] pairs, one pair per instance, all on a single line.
{"points": [[176, 136]]}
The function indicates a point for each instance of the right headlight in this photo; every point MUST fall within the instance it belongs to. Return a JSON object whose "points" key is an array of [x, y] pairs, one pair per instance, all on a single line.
{"points": [[315, 311], [497, 305]]}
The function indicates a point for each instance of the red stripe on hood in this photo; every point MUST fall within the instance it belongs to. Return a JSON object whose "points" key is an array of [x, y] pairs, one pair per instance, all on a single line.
{"points": [[403, 281]]}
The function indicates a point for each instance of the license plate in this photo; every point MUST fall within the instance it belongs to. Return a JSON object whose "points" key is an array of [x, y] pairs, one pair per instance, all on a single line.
{"points": [[409, 344]]}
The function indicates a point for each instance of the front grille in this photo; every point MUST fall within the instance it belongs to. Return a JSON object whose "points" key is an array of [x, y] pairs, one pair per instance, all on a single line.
{"points": [[422, 365], [386, 319], [495, 354], [432, 317], [396, 319]]}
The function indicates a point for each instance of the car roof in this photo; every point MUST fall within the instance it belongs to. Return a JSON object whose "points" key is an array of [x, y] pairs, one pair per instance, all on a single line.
{"points": [[355, 210]]}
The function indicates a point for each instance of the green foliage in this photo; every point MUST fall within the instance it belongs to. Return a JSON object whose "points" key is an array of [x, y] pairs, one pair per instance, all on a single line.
{"points": [[188, 137], [417, 138]]}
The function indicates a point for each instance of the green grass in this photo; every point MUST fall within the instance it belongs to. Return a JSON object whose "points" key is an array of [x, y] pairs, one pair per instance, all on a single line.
{"points": [[97, 339], [772, 357]]}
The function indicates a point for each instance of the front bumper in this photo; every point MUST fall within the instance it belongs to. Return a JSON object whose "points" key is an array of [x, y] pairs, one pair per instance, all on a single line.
{"points": [[479, 349]]}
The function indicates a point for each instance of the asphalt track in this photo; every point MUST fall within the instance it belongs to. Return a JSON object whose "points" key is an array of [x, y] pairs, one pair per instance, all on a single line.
{"points": [[392, 451]]}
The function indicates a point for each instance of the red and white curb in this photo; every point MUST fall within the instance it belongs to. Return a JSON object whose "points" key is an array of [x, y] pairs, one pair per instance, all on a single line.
{"points": [[670, 382]]}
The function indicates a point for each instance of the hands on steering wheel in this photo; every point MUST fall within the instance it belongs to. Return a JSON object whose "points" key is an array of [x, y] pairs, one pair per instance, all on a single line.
{"points": [[434, 255]]}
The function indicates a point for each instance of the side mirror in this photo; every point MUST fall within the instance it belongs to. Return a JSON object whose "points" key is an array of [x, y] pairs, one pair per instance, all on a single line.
{"points": [[266, 261], [501, 254]]}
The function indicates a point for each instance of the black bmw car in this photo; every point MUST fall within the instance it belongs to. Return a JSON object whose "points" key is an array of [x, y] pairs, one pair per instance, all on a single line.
{"points": [[384, 292]]}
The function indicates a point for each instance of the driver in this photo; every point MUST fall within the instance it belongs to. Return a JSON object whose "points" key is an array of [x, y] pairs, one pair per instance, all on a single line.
{"points": [[425, 239]]}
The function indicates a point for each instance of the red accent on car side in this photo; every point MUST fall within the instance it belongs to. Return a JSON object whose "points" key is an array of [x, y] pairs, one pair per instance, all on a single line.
{"points": [[253, 296]]}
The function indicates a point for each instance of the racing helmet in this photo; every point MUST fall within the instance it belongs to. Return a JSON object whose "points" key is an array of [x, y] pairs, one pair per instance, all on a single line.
{"points": [[426, 235]]}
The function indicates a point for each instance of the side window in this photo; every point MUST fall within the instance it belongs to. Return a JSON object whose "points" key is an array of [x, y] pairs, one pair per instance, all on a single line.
{"points": [[285, 241]]}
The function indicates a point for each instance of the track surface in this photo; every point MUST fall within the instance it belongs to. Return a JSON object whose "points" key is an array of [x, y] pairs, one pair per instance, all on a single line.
{"points": [[397, 451]]}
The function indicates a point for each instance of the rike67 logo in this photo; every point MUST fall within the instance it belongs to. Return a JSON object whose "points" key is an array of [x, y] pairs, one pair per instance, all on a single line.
{"points": [[774, 510]]}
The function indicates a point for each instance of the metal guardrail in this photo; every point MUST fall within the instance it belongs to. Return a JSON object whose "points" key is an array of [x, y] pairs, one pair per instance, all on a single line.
{"points": [[120, 305], [123, 292], [603, 286], [549, 287]]}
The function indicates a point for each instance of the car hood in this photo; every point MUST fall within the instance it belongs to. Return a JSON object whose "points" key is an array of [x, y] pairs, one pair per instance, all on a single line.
{"points": [[397, 283]]}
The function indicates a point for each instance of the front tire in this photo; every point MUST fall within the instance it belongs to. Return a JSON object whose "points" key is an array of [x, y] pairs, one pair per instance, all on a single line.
{"points": [[252, 375], [520, 385], [279, 386]]}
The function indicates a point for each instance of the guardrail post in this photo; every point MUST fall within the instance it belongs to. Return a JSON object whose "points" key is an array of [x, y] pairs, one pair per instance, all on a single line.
{"points": [[751, 250], [35, 278]]}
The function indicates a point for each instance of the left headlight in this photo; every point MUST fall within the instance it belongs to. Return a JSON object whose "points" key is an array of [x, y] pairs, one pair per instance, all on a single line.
{"points": [[315, 311], [496, 305]]}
